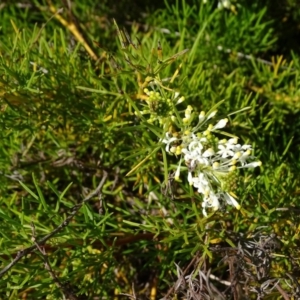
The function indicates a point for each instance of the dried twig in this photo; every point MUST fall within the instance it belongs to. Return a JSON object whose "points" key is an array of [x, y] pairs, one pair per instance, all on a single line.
{"points": [[171, 290], [65, 290], [282, 292], [59, 228]]}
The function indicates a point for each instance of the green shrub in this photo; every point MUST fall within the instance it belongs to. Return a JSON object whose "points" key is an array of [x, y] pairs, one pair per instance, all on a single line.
{"points": [[89, 202]]}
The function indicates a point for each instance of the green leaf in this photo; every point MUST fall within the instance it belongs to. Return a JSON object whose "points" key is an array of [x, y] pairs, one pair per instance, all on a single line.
{"points": [[65, 190], [35, 196], [41, 196]]}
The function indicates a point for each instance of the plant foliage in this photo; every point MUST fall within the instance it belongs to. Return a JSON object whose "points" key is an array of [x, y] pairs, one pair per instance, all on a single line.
{"points": [[89, 205]]}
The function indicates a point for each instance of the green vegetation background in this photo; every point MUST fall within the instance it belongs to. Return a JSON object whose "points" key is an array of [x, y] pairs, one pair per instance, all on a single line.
{"points": [[67, 117]]}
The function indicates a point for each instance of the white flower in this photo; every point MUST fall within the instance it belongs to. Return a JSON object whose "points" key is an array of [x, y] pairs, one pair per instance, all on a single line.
{"points": [[201, 183], [244, 156], [224, 4], [201, 116], [194, 157], [190, 178], [195, 145], [211, 115], [168, 140], [180, 100], [225, 151], [231, 201], [227, 148], [221, 124], [253, 164], [211, 200], [209, 152], [246, 147], [177, 173], [233, 141]]}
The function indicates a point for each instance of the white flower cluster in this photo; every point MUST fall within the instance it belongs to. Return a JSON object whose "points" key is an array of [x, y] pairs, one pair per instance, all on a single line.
{"points": [[210, 161], [224, 4], [221, 3]]}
